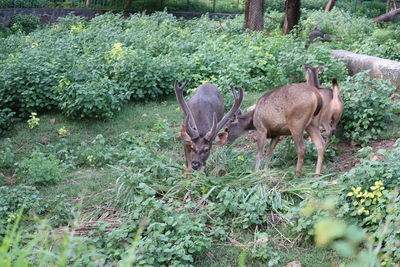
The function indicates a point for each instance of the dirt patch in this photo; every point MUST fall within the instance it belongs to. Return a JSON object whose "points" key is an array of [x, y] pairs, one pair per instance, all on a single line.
{"points": [[347, 159]]}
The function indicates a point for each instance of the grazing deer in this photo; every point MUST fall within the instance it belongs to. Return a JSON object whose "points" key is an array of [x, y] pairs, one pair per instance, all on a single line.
{"points": [[332, 108], [288, 110], [204, 118]]}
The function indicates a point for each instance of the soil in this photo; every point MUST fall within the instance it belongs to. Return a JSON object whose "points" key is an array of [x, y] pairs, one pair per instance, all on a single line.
{"points": [[347, 159]]}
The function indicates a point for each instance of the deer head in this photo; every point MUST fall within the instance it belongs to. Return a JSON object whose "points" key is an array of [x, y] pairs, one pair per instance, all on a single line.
{"points": [[238, 125], [312, 74], [198, 146]]}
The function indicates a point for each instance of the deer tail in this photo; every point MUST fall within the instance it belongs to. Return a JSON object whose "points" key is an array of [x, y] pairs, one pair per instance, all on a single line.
{"points": [[335, 87]]}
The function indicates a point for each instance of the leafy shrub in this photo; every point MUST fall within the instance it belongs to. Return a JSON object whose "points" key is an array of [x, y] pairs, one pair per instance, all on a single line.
{"points": [[6, 120], [24, 3], [100, 98], [367, 188], [41, 247], [172, 236], [337, 22], [382, 43], [13, 198], [285, 153], [24, 23], [292, 55], [28, 82], [91, 68], [33, 121], [369, 9], [367, 107], [248, 206], [97, 153], [39, 169], [7, 155], [57, 211], [366, 196], [4, 31]]}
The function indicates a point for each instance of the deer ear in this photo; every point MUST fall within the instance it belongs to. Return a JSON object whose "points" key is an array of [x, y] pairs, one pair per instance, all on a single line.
{"points": [[186, 138], [321, 68], [305, 66], [221, 139]]}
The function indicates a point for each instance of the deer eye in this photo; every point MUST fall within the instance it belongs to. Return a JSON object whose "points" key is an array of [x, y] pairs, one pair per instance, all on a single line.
{"points": [[205, 150]]}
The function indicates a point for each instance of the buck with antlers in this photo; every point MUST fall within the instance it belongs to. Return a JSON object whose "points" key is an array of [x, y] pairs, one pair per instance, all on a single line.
{"points": [[288, 110], [203, 119], [332, 108]]}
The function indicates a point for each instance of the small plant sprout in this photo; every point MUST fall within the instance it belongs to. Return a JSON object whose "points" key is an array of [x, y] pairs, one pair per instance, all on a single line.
{"points": [[33, 121], [62, 132], [90, 159]]}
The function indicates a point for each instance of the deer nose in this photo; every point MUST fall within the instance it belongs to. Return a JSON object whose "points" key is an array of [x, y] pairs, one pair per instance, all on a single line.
{"points": [[195, 165]]}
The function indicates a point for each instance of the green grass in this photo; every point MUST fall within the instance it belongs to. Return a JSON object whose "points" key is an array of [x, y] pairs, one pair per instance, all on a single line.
{"points": [[90, 188], [393, 129], [308, 255]]}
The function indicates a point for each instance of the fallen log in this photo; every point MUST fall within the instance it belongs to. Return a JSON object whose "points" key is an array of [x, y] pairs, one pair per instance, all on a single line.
{"points": [[388, 17], [379, 67]]}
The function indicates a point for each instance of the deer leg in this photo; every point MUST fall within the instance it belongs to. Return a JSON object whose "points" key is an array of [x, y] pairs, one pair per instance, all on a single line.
{"points": [[327, 128], [188, 161], [319, 143], [272, 145], [261, 139], [335, 121], [301, 151]]}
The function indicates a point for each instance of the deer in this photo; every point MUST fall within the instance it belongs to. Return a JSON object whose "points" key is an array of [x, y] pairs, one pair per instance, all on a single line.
{"points": [[203, 119], [333, 107], [287, 111]]}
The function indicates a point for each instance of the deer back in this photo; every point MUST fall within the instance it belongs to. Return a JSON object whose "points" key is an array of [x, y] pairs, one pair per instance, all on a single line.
{"points": [[206, 101], [291, 103]]}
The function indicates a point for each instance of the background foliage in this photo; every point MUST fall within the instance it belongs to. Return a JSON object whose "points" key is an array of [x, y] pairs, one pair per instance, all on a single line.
{"points": [[130, 167]]}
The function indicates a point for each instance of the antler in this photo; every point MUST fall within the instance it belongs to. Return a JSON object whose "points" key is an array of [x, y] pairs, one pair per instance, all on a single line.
{"points": [[211, 133], [190, 124], [216, 128], [192, 132]]}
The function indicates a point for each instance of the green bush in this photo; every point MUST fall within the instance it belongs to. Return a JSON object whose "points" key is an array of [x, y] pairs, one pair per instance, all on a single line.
{"points": [[89, 69], [28, 82], [369, 9], [7, 155], [383, 43], [6, 120], [39, 169], [367, 198], [24, 3], [100, 98], [14, 198], [367, 107], [285, 153], [24, 23], [4, 31], [368, 188], [171, 235]]}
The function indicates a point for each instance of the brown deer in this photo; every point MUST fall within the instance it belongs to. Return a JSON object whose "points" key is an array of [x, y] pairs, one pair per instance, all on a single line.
{"points": [[288, 110], [332, 108], [204, 118]]}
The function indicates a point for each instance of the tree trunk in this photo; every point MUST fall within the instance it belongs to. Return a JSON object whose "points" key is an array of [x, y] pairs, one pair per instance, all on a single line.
{"points": [[292, 15], [128, 4], [390, 5], [254, 15], [390, 16], [330, 5], [87, 3]]}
